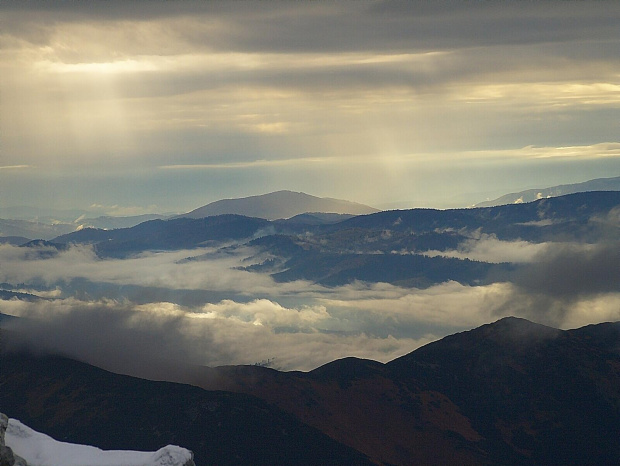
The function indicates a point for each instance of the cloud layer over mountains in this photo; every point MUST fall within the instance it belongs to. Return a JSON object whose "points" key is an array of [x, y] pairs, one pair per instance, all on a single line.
{"points": [[136, 311]]}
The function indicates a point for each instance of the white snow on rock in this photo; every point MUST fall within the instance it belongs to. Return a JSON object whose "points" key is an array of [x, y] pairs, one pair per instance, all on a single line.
{"points": [[42, 450]]}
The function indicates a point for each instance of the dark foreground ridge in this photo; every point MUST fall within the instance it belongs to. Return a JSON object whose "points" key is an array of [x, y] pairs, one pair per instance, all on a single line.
{"points": [[78, 403], [510, 392]]}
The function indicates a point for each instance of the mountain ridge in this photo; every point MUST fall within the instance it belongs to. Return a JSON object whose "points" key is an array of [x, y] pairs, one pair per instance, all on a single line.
{"points": [[529, 195], [493, 390], [79, 403], [509, 392]]}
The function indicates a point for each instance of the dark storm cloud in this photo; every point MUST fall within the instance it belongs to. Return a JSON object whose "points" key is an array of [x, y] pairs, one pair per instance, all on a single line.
{"points": [[541, 39], [566, 272], [160, 340], [566, 285], [110, 336], [348, 26], [351, 74]]}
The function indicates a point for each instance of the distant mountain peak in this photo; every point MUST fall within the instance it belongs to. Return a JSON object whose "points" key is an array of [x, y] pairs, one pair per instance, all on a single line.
{"points": [[530, 195], [279, 205]]}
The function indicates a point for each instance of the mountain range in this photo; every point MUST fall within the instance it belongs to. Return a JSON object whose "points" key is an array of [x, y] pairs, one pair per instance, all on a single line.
{"points": [[305, 208], [599, 184], [390, 246], [510, 392], [31, 223]]}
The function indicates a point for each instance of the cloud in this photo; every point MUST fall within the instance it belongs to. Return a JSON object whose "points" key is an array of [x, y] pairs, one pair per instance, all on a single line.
{"points": [[561, 313], [448, 305], [122, 211], [151, 311], [488, 248], [566, 285], [15, 167], [568, 271], [151, 275], [167, 270], [592, 309], [252, 164], [263, 89], [328, 27], [266, 312], [382, 322], [299, 324], [128, 338], [558, 284]]}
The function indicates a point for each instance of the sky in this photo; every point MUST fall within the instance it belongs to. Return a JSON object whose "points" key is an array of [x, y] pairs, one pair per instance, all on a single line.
{"points": [[138, 107]]}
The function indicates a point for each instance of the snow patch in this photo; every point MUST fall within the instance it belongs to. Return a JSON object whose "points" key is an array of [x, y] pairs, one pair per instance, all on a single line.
{"points": [[42, 450]]}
